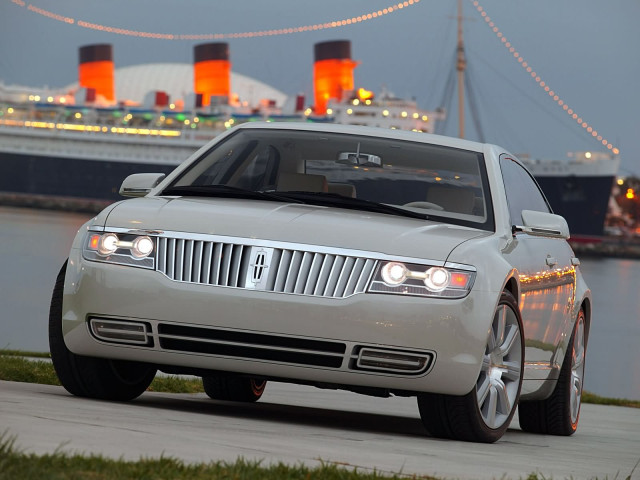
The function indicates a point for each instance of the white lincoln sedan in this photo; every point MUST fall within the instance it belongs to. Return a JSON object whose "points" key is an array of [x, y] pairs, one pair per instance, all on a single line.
{"points": [[377, 261]]}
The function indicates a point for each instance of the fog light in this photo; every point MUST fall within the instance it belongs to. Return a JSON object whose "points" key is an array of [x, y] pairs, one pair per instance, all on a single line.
{"points": [[394, 273]]}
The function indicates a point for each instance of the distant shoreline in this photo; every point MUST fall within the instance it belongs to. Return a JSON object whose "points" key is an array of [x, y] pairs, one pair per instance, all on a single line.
{"points": [[51, 202], [608, 247]]}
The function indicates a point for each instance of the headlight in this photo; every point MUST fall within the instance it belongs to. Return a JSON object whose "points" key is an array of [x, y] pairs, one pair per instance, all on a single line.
{"points": [[422, 280], [107, 244], [437, 279], [393, 273], [120, 248], [142, 247]]}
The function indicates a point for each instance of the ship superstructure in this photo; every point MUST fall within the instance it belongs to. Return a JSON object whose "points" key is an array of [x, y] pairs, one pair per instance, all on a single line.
{"points": [[82, 141]]}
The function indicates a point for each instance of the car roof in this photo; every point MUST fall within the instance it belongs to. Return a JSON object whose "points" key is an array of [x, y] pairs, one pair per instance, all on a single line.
{"points": [[370, 131]]}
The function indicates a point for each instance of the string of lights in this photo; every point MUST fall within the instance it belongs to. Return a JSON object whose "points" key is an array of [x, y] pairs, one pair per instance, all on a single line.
{"points": [[393, 8], [535, 76]]}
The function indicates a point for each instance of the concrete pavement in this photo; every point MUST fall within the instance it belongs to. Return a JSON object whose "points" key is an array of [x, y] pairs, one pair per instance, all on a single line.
{"points": [[294, 424]]}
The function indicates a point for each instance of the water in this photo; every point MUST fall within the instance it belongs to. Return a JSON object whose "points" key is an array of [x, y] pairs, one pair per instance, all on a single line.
{"points": [[34, 244]]}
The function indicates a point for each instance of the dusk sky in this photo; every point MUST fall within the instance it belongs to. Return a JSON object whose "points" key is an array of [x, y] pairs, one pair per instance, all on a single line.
{"points": [[585, 51]]}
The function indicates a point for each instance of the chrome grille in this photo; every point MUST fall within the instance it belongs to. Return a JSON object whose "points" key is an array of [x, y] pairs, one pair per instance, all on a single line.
{"points": [[288, 270]]}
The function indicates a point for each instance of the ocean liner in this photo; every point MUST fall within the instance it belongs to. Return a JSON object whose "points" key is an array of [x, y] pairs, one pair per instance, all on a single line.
{"points": [[73, 147], [577, 188], [81, 142]]}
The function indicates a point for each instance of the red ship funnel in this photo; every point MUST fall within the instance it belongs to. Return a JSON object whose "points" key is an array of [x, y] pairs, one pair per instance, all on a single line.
{"points": [[332, 72], [96, 71], [211, 71]]}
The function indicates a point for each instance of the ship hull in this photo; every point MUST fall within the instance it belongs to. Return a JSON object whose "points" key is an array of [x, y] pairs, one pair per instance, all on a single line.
{"points": [[581, 200], [42, 166], [39, 175]]}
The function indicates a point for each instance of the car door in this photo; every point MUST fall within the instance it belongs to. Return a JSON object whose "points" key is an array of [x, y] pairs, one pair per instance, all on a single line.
{"points": [[546, 274]]}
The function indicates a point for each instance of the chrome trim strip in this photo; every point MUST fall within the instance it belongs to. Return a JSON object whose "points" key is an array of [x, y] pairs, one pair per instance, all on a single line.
{"points": [[117, 334], [412, 363]]}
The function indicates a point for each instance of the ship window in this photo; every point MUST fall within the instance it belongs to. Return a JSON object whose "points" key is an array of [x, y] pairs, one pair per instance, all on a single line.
{"points": [[523, 193]]}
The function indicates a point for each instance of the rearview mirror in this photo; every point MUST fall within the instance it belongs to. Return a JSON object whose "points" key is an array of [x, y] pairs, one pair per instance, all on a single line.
{"points": [[360, 159]]}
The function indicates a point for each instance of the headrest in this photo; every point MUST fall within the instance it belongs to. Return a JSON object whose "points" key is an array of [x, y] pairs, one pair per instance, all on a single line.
{"points": [[452, 199], [301, 182], [344, 189]]}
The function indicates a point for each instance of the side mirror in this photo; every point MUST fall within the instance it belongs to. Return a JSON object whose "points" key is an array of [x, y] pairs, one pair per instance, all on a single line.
{"points": [[139, 184], [543, 224]]}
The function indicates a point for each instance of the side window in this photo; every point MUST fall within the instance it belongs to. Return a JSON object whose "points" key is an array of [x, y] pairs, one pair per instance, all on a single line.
{"points": [[522, 191]]}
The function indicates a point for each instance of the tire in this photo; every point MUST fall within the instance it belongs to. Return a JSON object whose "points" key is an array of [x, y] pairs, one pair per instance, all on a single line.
{"points": [[88, 376], [233, 388], [559, 414], [484, 414]]}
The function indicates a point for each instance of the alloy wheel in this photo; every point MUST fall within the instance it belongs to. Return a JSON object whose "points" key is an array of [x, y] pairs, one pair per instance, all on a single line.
{"points": [[499, 380], [577, 369]]}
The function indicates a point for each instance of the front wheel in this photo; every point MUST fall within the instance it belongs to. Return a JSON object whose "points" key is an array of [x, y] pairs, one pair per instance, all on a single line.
{"points": [[88, 376], [233, 388], [484, 414], [559, 414]]}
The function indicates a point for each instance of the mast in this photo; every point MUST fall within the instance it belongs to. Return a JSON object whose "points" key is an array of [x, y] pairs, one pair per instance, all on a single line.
{"points": [[460, 66]]}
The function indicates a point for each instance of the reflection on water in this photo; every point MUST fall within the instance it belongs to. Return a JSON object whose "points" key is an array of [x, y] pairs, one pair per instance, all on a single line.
{"points": [[35, 243]]}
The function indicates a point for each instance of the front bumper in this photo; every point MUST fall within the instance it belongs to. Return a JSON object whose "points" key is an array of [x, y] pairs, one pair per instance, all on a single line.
{"points": [[247, 331]]}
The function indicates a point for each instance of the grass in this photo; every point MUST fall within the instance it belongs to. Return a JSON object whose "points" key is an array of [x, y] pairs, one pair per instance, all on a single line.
{"points": [[22, 353], [14, 368], [15, 465], [173, 384], [588, 397]]}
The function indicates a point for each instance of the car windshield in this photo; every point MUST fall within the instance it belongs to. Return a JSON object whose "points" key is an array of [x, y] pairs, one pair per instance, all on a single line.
{"points": [[387, 175]]}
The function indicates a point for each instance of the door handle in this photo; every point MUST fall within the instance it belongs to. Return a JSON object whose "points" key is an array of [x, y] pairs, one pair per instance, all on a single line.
{"points": [[552, 262]]}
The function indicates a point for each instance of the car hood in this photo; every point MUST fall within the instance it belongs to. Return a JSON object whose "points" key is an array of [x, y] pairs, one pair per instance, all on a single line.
{"points": [[293, 223]]}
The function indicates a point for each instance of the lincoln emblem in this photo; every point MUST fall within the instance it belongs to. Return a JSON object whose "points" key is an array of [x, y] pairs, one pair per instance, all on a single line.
{"points": [[257, 273], [259, 266]]}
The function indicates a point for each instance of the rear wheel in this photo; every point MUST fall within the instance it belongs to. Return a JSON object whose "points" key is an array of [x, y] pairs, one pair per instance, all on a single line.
{"points": [[88, 376], [559, 414], [233, 388], [484, 414]]}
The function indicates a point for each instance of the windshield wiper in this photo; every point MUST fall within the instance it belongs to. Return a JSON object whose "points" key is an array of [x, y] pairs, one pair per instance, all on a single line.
{"points": [[335, 200], [227, 192], [313, 198]]}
